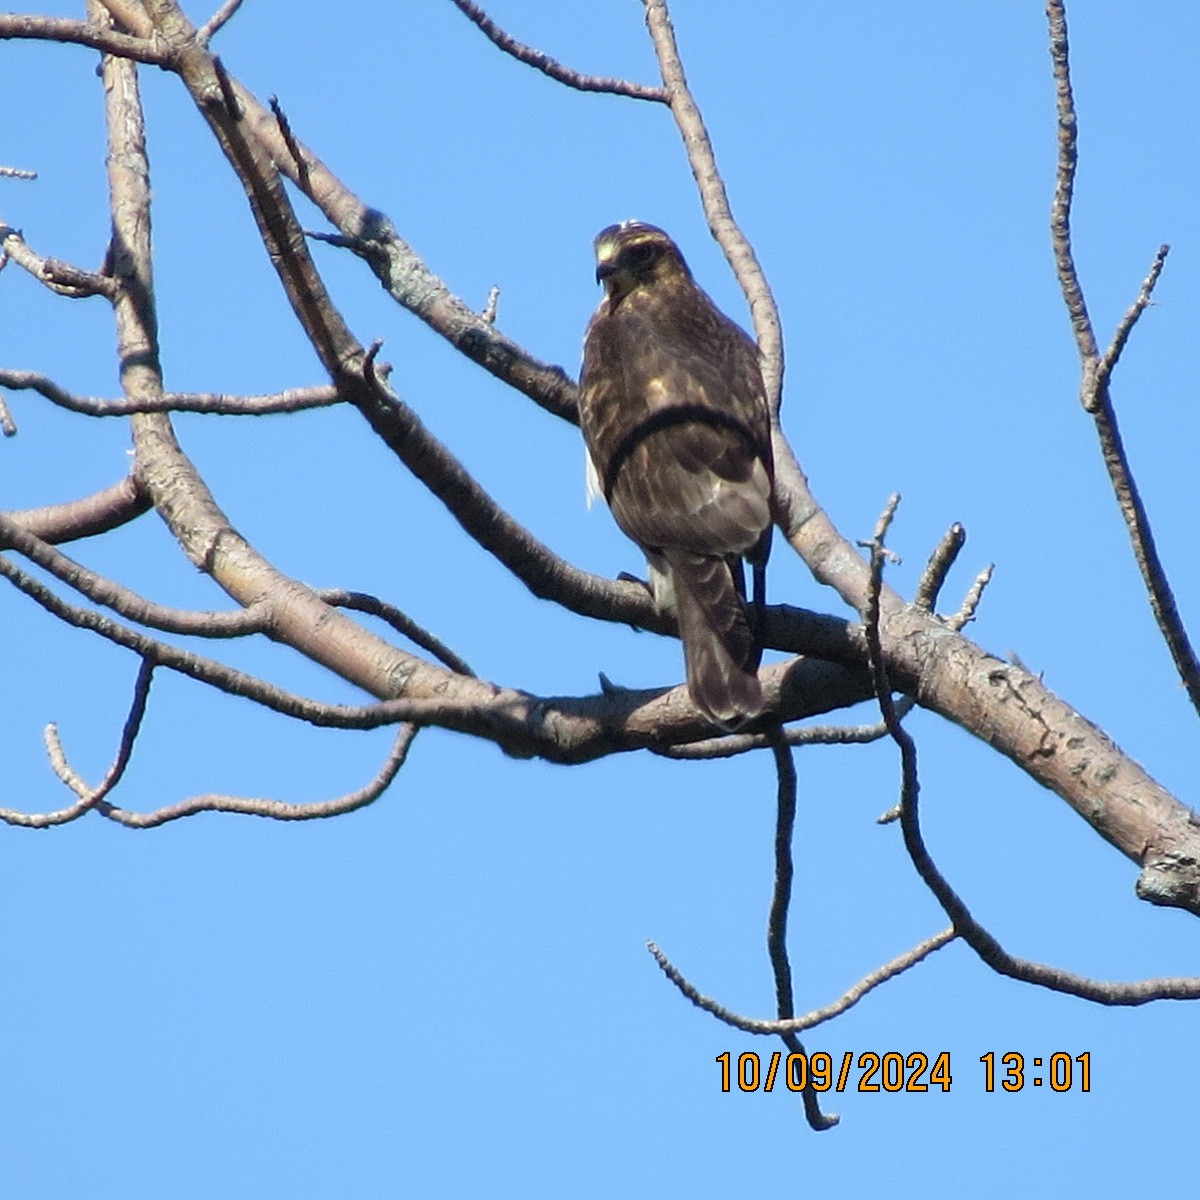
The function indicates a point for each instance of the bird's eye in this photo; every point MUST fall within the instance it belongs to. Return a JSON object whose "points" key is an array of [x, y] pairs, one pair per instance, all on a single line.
{"points": [[641, 255]]}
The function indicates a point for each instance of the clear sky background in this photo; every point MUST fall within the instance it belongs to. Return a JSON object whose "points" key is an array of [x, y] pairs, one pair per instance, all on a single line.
{"points": [[448, 994]]}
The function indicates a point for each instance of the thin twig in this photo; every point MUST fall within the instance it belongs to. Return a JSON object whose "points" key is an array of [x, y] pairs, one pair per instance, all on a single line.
{"points": [[276, 810], [133, 724], [217, 21], [1097, 370], [289, 140], [7, 425], [1132, 315], [971, 600], [781, 899], [399, 621], [89, 798], [17, 173], [222, 403], [549, 66], [492, 305], [1064, 185], [807, 735], [818, 1016]]}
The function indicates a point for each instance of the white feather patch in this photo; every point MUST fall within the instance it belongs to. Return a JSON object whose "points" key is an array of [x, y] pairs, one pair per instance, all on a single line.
{"points": [[595, 490]]}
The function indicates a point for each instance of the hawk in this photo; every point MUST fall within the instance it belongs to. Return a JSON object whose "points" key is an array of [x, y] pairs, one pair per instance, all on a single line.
{"points": [[674, 414]]}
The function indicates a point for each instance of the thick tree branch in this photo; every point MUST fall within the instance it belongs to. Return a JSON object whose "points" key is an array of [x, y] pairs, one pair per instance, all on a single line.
{"points": [[561, 729], [91, 33], [108, 509]]}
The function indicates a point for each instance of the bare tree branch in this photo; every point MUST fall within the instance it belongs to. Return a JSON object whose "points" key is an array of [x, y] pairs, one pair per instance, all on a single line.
{"points": [[548, 66], [1097, 370], [809, 735], [781, 897], [715, 200], [223, 403], [1064, 186], [90, 33], [130, 16], [818, 1016], [277, 810], [944, 556], [971, 600], [401, 622], [217, 21], [557, 728], [108, 509], [946, 673], [1132, 315], [964, 924], [60, 277], [128, 603], [89, 798]]}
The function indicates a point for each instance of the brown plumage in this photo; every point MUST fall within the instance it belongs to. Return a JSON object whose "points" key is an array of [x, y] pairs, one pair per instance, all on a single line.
{"points": [[674, 414]]}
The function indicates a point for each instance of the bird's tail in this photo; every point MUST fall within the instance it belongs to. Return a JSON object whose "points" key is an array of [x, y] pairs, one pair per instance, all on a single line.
{"points": [[720, 647]]}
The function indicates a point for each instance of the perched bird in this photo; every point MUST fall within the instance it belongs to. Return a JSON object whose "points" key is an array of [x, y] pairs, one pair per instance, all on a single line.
{"points": [[674, 414]]}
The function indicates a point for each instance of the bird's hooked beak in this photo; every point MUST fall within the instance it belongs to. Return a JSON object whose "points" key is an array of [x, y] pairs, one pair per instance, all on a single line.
{"points": [[604, 270]]}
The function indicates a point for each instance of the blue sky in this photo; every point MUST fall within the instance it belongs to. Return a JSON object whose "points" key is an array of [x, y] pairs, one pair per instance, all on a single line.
{"points": [[447, 994]]}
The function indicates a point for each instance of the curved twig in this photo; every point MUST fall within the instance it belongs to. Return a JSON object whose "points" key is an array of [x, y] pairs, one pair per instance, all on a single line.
{"points": [[276, 810], [89, 798], [401, 622], [549, 66], [818, 1016]]}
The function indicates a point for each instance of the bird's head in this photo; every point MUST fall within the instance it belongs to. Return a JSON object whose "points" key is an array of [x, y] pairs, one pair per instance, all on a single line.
{"points": [[634, 254]]}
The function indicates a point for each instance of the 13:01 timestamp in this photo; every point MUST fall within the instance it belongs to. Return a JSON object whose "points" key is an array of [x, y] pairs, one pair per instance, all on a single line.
{"points": [[1015, 1072]]}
